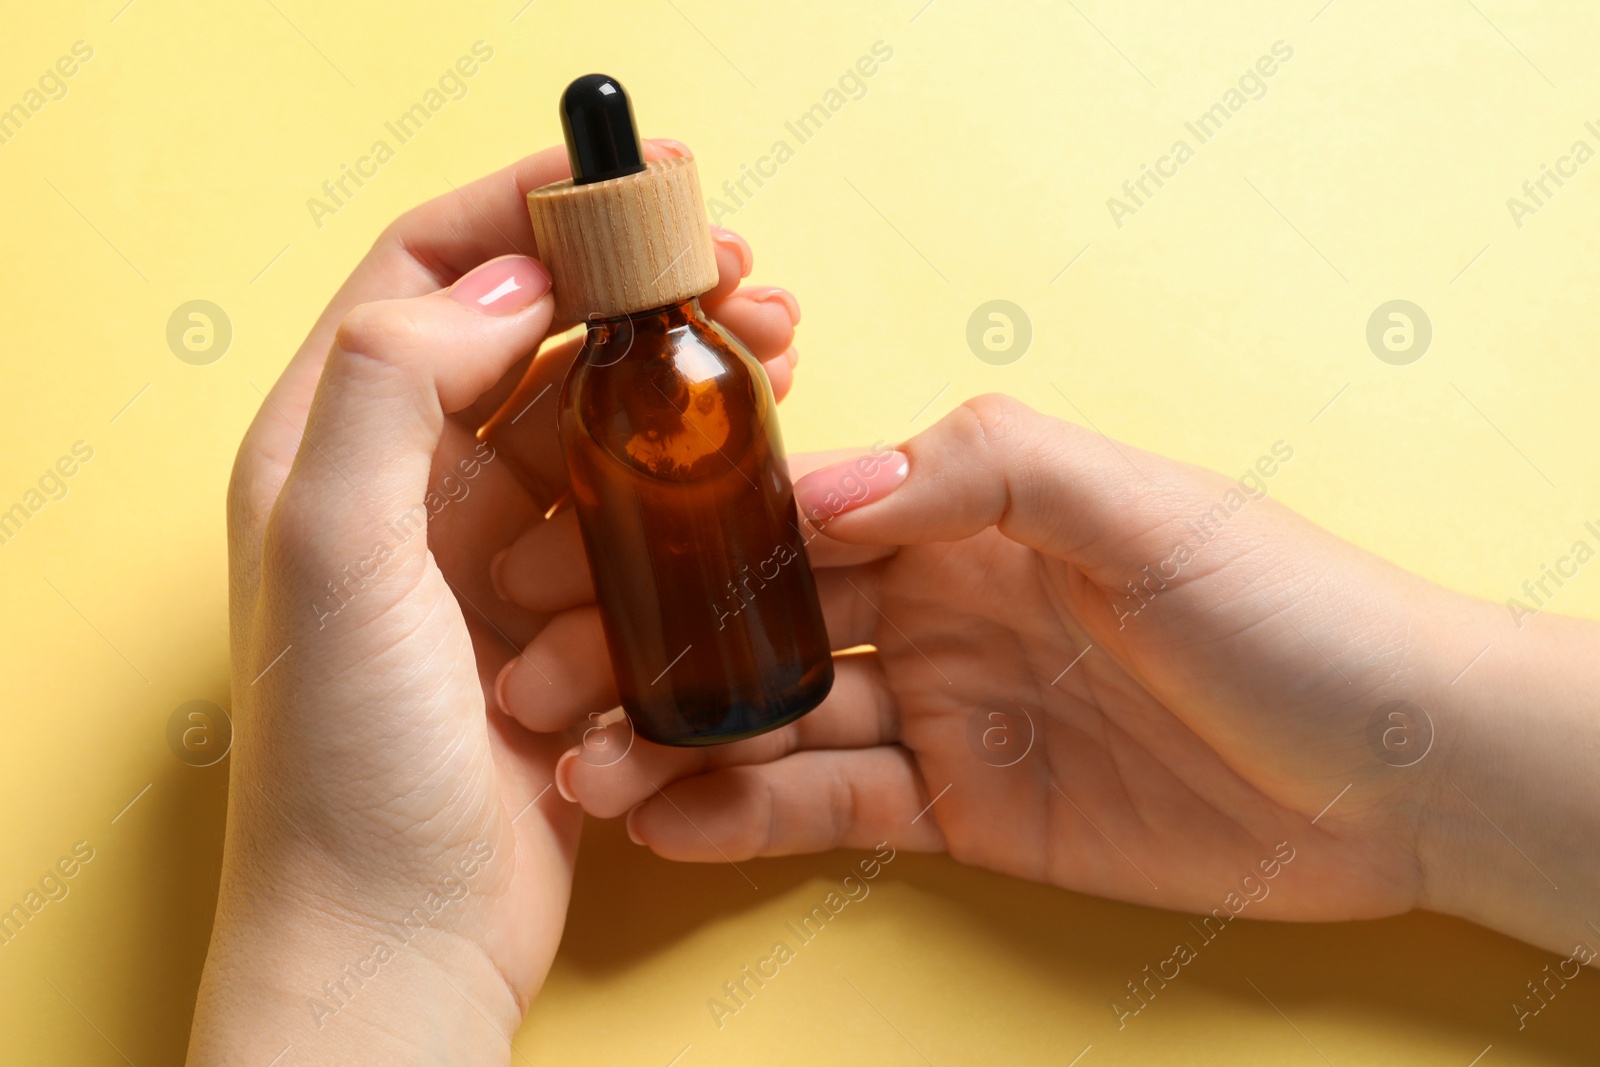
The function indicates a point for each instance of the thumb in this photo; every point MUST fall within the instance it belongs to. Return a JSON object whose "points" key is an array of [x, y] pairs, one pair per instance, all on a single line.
{"points": [[395, 369], [1050, 485]]}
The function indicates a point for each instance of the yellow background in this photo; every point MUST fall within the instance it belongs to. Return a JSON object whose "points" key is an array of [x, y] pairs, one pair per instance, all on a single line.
{"points": [[1223, 316]]}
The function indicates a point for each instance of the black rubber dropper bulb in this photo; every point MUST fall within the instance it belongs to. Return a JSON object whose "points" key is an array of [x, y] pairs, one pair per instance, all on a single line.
{"points": [[598, 123]]}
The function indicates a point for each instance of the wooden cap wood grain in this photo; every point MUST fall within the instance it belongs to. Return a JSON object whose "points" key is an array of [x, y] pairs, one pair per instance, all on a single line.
{"points": [[627, 244]]}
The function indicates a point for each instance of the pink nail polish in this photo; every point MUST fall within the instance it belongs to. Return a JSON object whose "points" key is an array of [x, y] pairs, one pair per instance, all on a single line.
{"points": [[676, 149], [828, 493], [768, 294], [736, 244], [502, 286]]}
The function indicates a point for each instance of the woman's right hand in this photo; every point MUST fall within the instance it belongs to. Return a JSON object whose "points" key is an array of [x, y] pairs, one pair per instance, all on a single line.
{"points": [[1127, 676]]}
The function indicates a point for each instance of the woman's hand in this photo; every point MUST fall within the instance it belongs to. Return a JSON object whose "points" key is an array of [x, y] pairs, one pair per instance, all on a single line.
{"points": [[1122, 675], [396, 870]]}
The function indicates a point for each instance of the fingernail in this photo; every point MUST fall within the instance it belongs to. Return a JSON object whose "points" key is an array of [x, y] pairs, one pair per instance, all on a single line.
{"points": [[502, 286], [500, 687], [564, 775], [737, 245], [675, 148], [495, 566], [633, 832], [768, 294], [827, 493], [793, 356]]}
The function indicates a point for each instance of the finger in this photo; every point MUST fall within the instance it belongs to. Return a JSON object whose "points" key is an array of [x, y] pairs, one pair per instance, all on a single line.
{"points": [[423, 250], [807, 802], [523, 425], [835, 476], [545, 569], [859, 712], [763, 318], [395, 369], [474, 505], [735, 260], [562, 676], [850, 598], [427, 248], [780, 372], [437, 242], [358, 493], [1045, 483]]}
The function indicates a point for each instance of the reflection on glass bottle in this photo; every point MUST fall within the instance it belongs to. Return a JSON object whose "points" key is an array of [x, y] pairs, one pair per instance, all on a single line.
{"points": [[709, 605]]}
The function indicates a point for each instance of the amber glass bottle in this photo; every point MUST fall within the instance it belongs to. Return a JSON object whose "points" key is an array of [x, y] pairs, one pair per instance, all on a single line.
{"points": [[688, 516], [671, 437]]}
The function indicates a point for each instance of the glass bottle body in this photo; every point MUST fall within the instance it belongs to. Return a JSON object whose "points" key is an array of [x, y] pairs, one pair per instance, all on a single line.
{"points": [[683, 495]]}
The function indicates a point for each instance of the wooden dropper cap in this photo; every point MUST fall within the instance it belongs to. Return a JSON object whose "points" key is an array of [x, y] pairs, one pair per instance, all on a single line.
{"points": [[621, 235]]}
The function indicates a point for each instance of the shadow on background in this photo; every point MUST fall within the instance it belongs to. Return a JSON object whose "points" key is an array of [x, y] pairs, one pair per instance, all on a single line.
{"points": [[127, 964], [1420, 972]]}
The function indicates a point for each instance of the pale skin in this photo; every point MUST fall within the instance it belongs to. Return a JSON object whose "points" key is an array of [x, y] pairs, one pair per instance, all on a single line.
{"points": [[408, 743]]}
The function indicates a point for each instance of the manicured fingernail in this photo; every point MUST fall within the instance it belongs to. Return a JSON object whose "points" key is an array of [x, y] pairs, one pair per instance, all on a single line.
{"points": [[496, 565], [738, 246], [564, 775], [633, 831], [502, 286], [770, 294], [674, 148], [827, 493]]}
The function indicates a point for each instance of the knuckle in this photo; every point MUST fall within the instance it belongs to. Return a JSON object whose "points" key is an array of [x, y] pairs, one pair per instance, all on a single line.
{"points": [[289, 540], [300, 548], [385, 330], [245, 492], [995, 418], [394, 237], [1024, 451]]}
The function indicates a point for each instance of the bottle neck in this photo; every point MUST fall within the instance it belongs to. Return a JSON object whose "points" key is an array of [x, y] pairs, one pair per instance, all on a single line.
{"points": [[666, 317]]}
